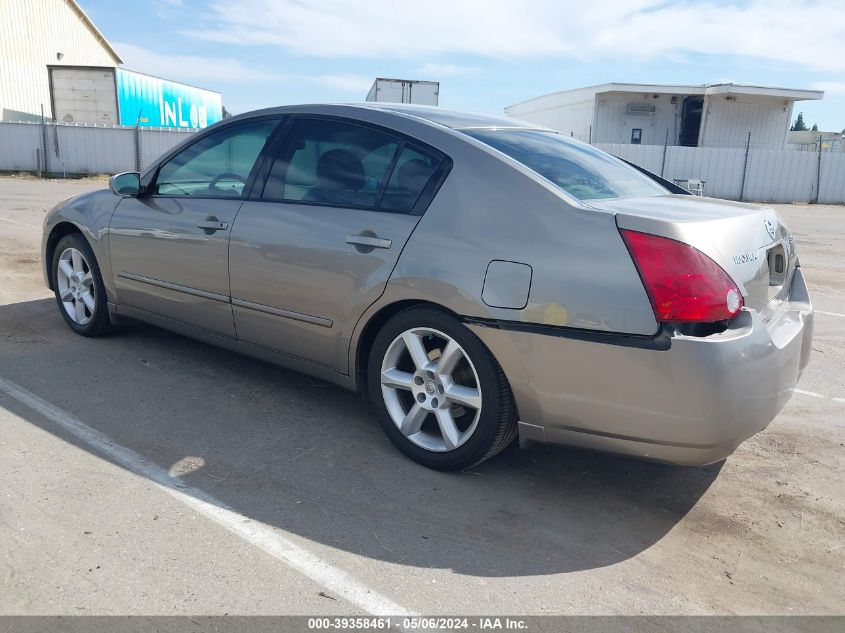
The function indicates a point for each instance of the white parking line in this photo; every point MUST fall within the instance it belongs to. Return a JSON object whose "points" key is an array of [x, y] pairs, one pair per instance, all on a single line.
{"points": [[812, 394], [829, 313], [265, 537], [10, 221], [821, 396]]}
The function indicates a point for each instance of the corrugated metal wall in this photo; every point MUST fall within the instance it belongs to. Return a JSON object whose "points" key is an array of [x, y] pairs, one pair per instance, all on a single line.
{"points": [[770, 175], [72, 149], [720, 167], [154, 143], [81, 149], [832, 178], [648, 157], [781, 175], [19, 146]]}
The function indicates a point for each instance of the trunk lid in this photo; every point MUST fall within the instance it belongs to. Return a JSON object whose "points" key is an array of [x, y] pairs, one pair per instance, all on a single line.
{"points": [[750, 242]]}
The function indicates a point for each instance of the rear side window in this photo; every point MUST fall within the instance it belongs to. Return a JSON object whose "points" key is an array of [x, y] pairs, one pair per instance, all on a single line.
{"points": [[337, 163], [581, 170], [217, 165], [413, 170]]}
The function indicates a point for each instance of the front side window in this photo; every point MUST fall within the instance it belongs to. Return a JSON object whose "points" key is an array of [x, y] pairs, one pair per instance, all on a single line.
{"points": [[583, 171], [334, 163], [217, 165]]}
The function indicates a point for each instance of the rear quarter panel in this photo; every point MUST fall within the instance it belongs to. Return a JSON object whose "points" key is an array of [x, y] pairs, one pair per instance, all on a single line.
{"points": [[583, 276], [489, 209]]}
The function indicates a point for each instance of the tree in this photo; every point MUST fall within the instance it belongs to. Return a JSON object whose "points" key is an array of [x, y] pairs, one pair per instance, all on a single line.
{"points": [[815, 127], [799, 125]]}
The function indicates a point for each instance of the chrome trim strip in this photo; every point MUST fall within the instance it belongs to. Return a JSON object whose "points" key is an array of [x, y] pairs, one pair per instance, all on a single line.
{"points": [[288, 314], [175, 287]]}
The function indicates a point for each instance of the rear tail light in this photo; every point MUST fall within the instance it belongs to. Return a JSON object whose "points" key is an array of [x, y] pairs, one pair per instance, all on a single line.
{"points": [[684, 285]]}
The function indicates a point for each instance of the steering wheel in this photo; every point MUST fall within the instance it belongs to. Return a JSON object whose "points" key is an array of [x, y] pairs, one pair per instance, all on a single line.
{"points": [[226, 176]]}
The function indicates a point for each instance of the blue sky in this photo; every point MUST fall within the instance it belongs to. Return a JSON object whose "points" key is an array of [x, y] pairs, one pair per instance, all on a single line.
{"points": [[486, 54]]}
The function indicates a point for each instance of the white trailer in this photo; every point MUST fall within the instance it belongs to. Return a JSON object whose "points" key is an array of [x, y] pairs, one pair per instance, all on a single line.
{"points": [[405, 91]]}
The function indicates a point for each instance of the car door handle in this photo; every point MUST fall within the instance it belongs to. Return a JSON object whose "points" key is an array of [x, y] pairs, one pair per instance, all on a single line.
{"points": [[370, 241], [213, 225]]}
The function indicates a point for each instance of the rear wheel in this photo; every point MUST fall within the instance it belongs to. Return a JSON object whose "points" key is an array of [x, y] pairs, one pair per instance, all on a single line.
{"points": [[79, 288], [440, 395]]}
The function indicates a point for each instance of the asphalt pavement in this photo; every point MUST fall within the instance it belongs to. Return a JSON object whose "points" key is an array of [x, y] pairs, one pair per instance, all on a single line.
{"points": [[147, 473]]}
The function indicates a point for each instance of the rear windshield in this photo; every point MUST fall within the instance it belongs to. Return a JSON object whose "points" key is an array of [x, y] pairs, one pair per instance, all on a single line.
{"points": [[581, 170]]}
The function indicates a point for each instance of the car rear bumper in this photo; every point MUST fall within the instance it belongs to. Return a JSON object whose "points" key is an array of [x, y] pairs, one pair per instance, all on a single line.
{"points": [[692, 400]]}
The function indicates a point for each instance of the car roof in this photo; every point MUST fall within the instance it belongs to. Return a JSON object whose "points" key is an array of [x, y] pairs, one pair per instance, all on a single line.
{"points": [[454, 119]]}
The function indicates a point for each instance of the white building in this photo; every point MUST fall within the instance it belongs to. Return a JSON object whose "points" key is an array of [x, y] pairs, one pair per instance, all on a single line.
{"points": [[54, 60], [719, 115], [37, 34]]}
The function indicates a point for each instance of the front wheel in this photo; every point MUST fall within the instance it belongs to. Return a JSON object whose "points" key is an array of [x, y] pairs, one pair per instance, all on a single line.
{"points": [[440, 395], [78, 286]]}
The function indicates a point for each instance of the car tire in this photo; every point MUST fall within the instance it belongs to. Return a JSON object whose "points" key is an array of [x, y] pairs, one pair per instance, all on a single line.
{"points": [[78, 286], [449, 376]]}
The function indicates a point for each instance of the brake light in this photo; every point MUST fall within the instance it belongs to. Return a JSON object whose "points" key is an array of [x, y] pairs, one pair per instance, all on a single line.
{"points": [[684, 285]]}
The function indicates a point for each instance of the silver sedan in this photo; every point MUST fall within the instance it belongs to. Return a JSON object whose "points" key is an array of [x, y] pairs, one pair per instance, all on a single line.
{"points": [[477, 279]]}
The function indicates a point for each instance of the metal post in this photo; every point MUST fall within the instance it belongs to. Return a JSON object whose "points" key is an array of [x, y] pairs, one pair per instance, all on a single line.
{"points": [[56, 148], [818, 169], [665, 145], [43, 145], [591, 135], [136, 135], [745, 168]]}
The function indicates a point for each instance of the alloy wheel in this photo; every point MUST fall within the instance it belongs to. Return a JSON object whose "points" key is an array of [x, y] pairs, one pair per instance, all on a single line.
{"points": [[431, 389], [76, 286]]}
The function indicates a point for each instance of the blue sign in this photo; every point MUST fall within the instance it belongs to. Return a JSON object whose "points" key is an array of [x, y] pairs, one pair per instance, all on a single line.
{"points": [[152, 102]]}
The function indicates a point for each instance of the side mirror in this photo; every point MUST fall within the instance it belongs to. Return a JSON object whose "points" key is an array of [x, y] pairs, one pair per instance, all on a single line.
{"points": [[126, 184]]}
